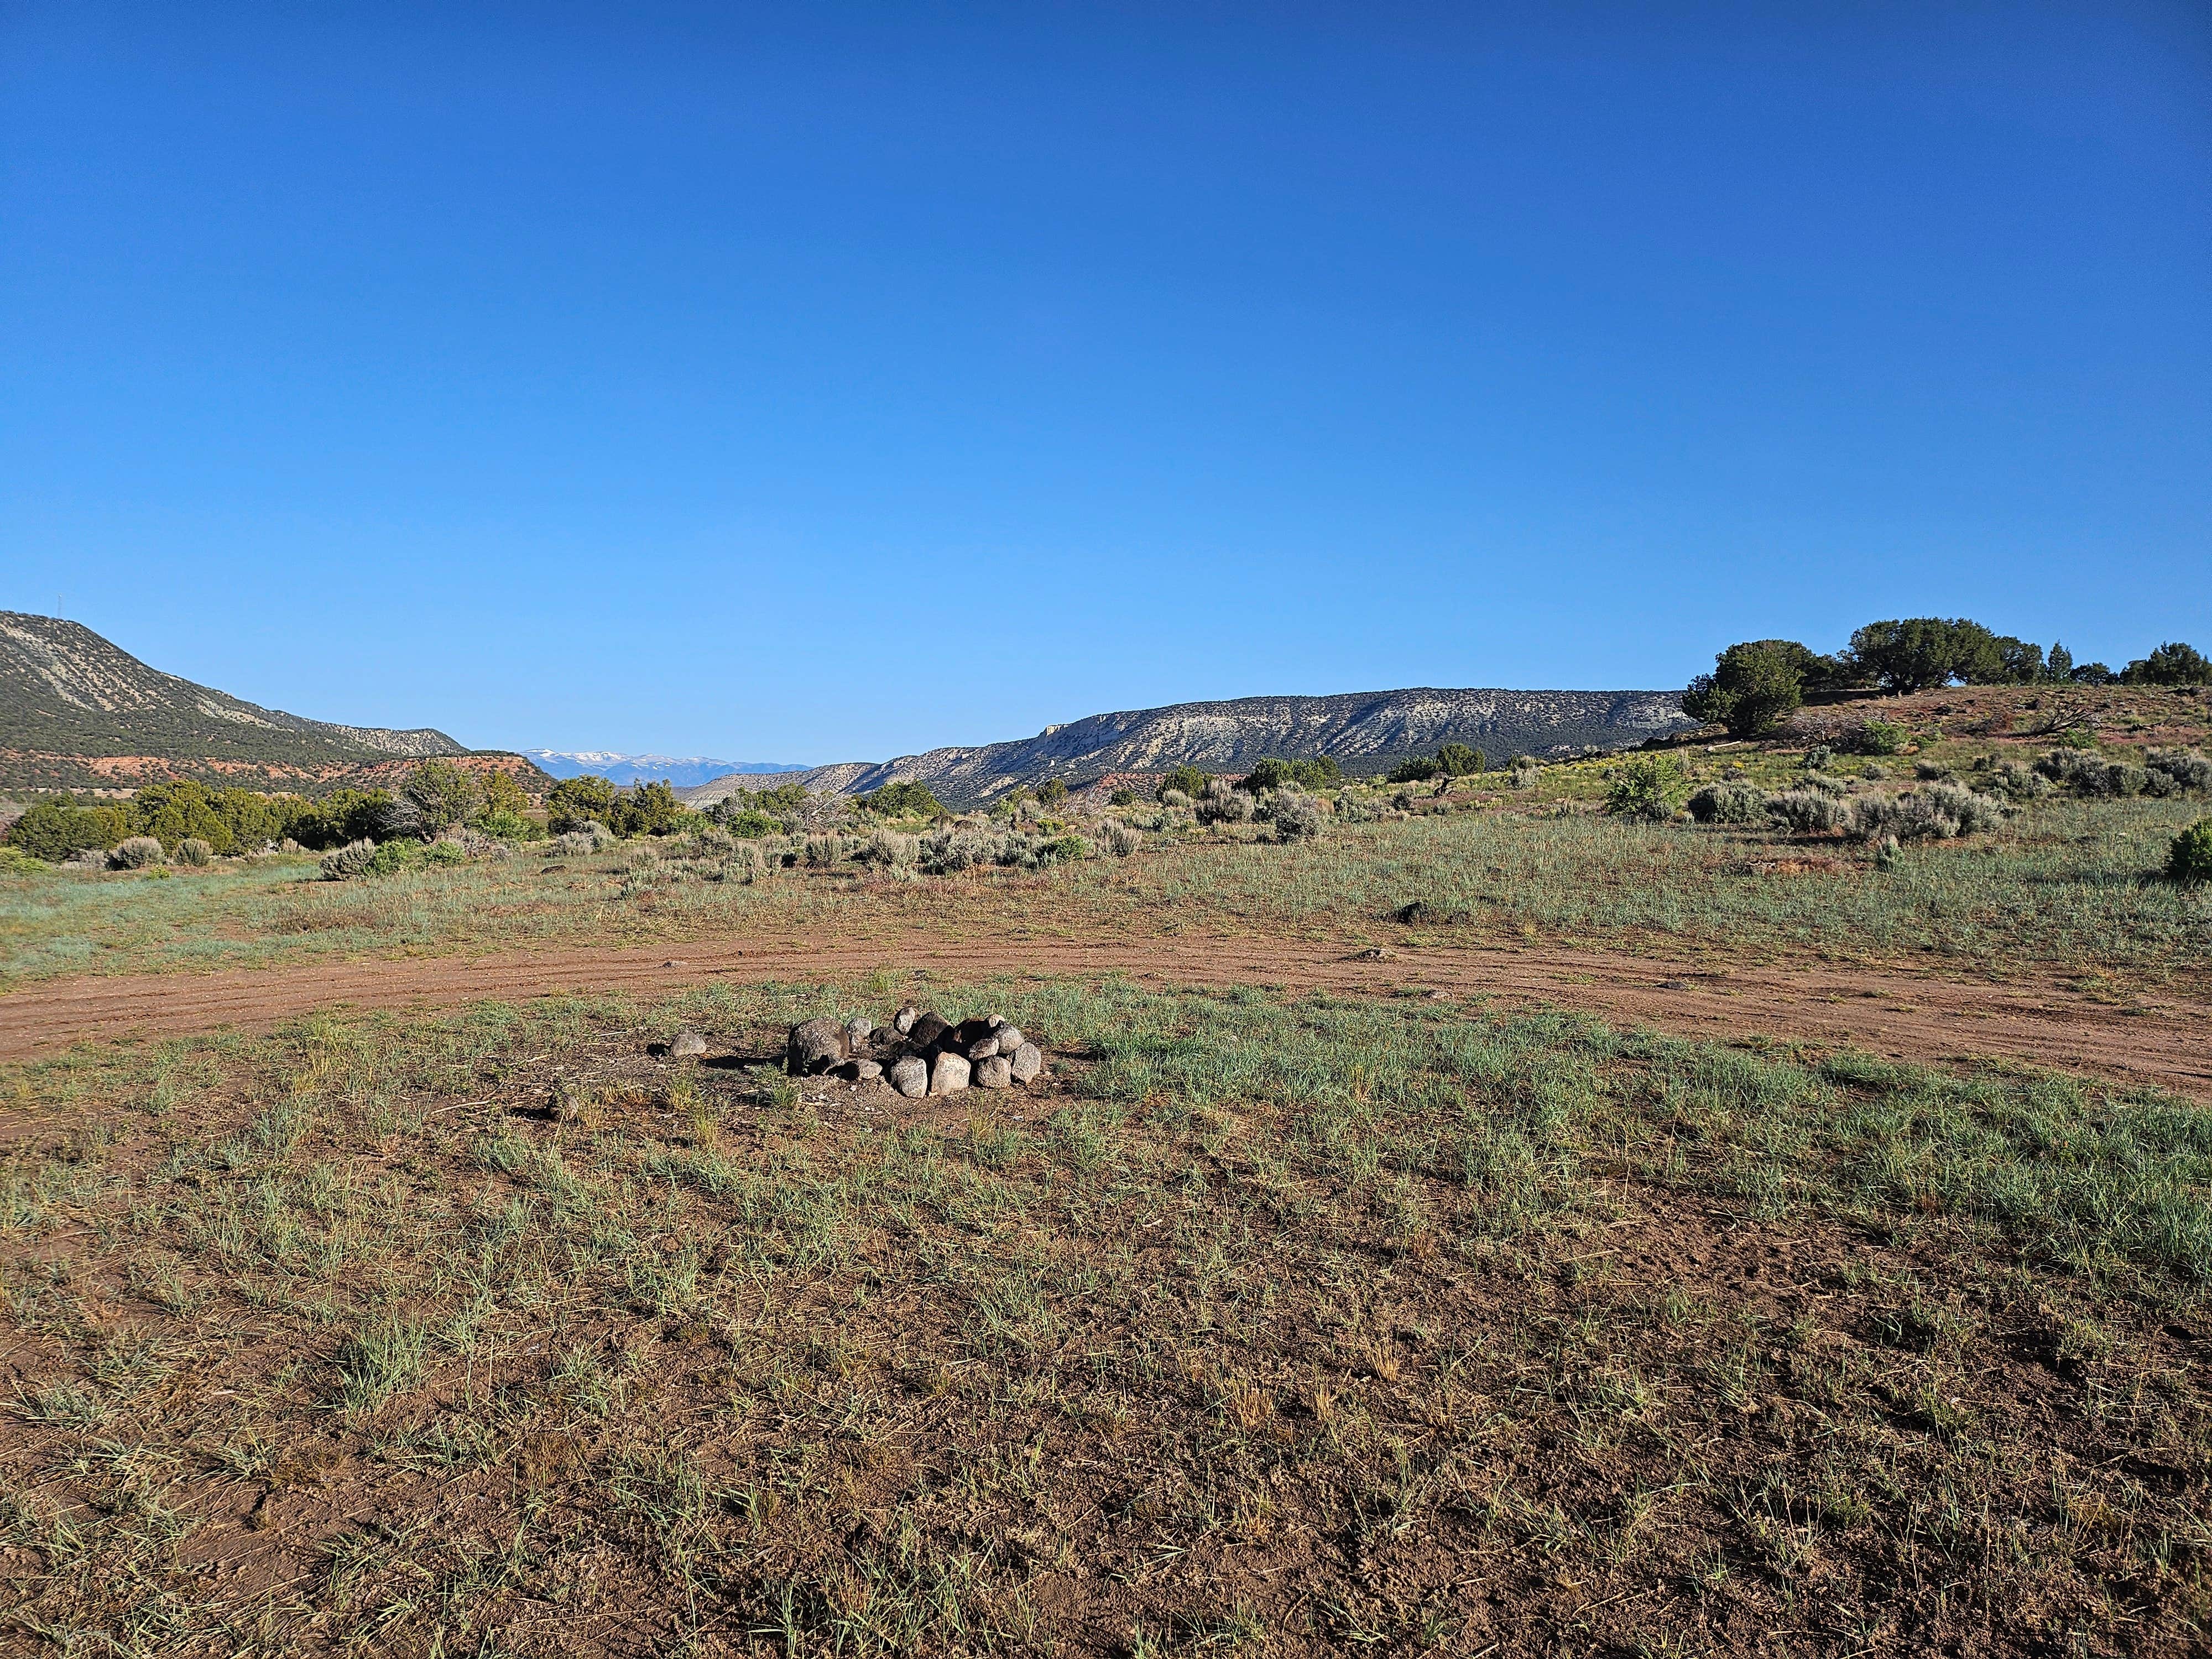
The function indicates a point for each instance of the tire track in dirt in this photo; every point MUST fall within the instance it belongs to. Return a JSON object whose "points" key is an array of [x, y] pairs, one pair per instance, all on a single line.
{"points": [[1901, 1015]]}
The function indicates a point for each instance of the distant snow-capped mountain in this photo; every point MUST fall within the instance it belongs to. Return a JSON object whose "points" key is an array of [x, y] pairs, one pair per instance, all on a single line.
{"points": [[684, 772]]}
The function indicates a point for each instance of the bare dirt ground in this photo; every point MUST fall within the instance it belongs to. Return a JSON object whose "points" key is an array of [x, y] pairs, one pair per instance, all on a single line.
{"points": [[2113, 1036]]}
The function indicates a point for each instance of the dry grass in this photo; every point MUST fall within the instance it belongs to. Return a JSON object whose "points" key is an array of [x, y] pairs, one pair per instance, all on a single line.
{"points": [[1314, 1326], [2068, 886]]}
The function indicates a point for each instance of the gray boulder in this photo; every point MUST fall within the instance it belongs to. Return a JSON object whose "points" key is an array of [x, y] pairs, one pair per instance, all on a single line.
{"points": [[910, 1077], [1009, 1038], [857, 1031], [1027, 1062], [927, 1030], [813, 1046], [983, 1048], [688, 1044], [996, 1073], [861, 1071], [949, 1074], [902, 1022]]}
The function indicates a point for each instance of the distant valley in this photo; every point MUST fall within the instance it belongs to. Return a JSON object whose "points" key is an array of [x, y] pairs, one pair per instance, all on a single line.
{"points": [[622, 769]]}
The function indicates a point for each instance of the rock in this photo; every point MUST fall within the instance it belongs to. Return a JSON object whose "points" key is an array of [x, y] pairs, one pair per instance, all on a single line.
{"points": [[1009, 1038], [910, 1077], [996, 1073], [688, 1043], [927, 1030], [996, 1022], [983, 1048], [949, 1074], [859, 1070], [971, 1031], [1027, 1063], [902, 1022], [857, 1031], [813, 1046]]}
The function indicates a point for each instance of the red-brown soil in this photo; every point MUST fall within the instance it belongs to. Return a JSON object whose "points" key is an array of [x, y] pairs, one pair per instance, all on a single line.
{"points": [[2119, 1037]]}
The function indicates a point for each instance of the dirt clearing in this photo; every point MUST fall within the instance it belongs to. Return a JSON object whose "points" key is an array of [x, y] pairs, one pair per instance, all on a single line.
{"points": [[2118, 1036]]}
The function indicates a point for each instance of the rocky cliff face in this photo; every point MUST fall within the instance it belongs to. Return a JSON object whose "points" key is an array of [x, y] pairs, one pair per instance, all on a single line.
{"points": [[1365, 732]]}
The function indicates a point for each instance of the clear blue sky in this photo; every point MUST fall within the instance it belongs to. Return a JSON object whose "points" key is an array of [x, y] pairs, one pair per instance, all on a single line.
{"points": [[817, 382]]}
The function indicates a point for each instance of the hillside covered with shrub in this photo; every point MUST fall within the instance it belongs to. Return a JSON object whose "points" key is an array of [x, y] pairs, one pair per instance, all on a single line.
{"points": [[77, 712]]}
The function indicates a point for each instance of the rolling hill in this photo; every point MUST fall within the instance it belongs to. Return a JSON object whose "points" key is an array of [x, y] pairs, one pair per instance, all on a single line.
{"points": [[1365, 732], [77, 712]]}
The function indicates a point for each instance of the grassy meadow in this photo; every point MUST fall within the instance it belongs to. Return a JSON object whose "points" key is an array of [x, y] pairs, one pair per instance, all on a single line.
{"points": [[2067, 885], [1266, 1325]]}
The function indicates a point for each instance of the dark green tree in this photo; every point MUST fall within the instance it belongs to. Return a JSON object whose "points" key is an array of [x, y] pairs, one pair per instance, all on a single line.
{"points": [[574, 802], [2022, 662], [2172, 664], [1754, 686], [648, 809], [1921, 652], [444, 793], [1458, 761], [1186, 778]]}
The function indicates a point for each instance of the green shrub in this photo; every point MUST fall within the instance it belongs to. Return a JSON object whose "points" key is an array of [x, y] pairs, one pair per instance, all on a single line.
{"points": [[1728, 803], [136, 853], [509, 826], [1648, 787], [1880, 737], [337, 819], [446, 795], [574, 802], [230, 820], [910, 799], [1123, 797], [648, 809], [2190, 858], [193, 851], [350, 861], [1295, 816], [445, 851], [1266, 775], [56, 830], [1417, 768], [1458, 761], [394, 856], [2186, 772], [1224, 803], [500, 794], [751, 824], [1807, 811], [1061, 849], [1185, 780]]}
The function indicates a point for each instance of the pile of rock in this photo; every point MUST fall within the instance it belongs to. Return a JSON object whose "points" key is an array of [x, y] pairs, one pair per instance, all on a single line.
{"points": [[920, 1053]]}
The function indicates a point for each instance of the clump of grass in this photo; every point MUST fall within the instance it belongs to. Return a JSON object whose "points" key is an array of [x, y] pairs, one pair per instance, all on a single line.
{"points": [[379, 1361]]}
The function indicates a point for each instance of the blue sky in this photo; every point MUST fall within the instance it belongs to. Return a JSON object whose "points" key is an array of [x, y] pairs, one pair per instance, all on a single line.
{"points": [[826, 382]]}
